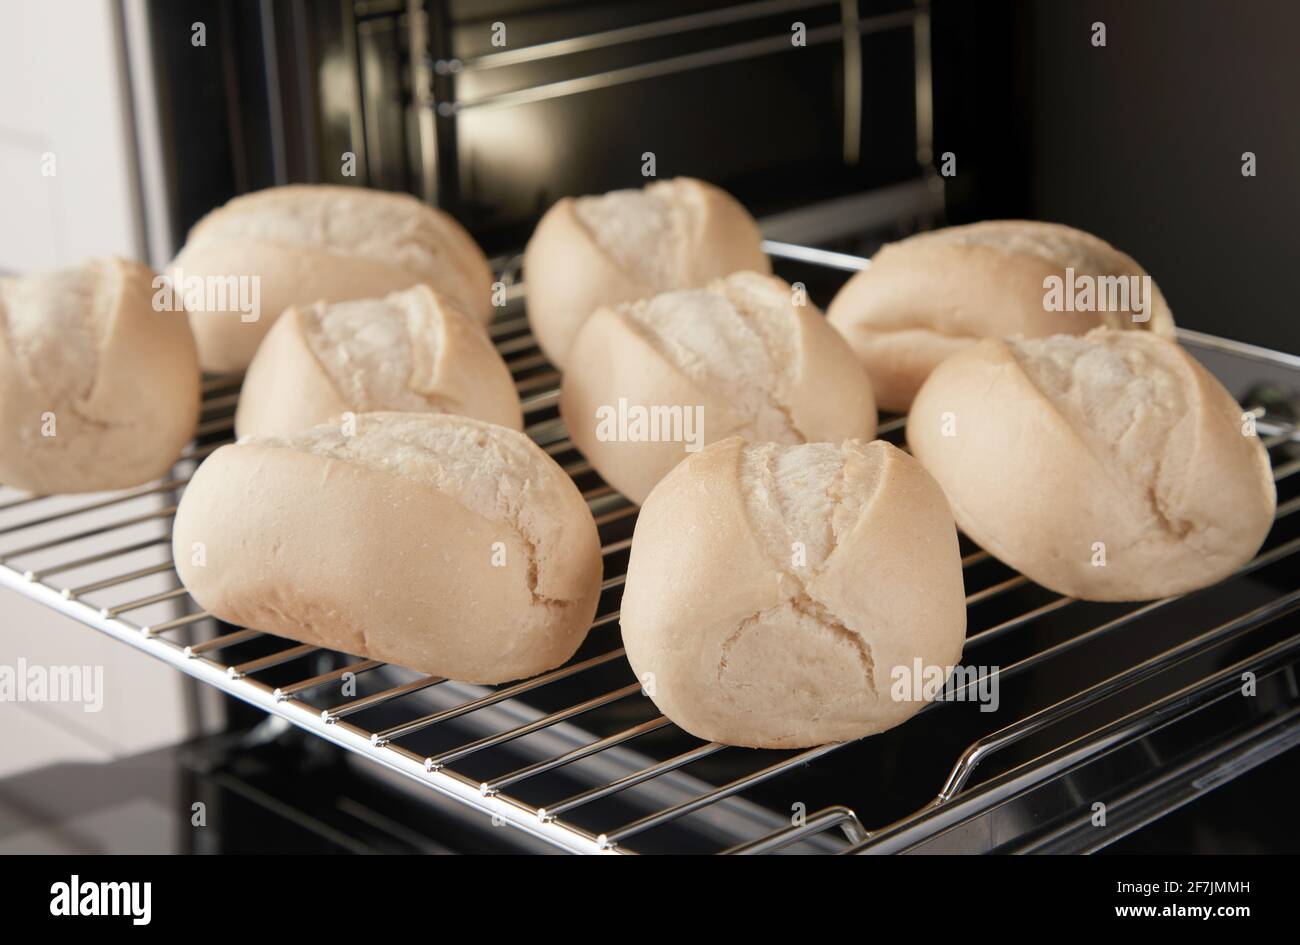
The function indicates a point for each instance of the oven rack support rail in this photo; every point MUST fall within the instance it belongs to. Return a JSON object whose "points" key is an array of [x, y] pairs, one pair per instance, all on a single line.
{"points": [[961, 801]]}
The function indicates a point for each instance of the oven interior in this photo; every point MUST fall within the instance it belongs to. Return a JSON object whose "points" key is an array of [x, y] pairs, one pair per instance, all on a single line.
{"points": [[836, 147]]}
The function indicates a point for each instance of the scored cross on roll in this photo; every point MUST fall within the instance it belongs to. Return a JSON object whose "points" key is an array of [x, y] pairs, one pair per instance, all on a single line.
{"points": [[99, 387], [653, 381], [1107, 467], [631, 244], [776, 594], [413, 351]]}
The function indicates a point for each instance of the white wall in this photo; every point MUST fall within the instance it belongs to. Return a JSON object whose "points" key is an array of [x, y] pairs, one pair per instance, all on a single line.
{"points": [[64, 92]]}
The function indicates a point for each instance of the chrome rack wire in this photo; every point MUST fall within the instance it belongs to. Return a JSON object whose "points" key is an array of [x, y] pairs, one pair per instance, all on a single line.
{"points": [[87, 557]]}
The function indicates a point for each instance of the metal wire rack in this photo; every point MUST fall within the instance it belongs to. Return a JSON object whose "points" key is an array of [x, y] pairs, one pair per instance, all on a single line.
{"points": [[593, 768]]}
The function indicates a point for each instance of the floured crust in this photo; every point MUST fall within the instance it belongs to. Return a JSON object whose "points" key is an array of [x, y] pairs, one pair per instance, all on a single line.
{"points": [[935, 294], [444, 544], [84, 356], [410, 351], [841, 563], [649, 232], [389, 228], [491, 472], [1117, 442], [739, 350], [627, 245], [309, 243], [735, 338], [1130, 404], [54, 324]]}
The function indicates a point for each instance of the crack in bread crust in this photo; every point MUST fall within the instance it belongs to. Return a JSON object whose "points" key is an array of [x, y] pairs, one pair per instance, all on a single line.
{"points": [[1145, 410], [726, 339], [56, 326], [647, 232], [439, 450], [800, 604], [773, 511]]}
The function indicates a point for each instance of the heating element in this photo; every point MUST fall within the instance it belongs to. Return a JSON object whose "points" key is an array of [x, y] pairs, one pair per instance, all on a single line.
{"points": [[1137, 708]]}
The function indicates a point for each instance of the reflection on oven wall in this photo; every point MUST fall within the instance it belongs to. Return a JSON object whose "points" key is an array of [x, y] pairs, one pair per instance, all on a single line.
{"points": [[722, 92]]}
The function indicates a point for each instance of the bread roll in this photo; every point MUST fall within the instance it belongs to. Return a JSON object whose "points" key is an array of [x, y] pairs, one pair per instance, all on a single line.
{"points": [[934, 294], [412, 351], [445, 544], [98, 388], [631, 244], [775, 592], [738, 357], [318, 243], [1106, 467]]}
